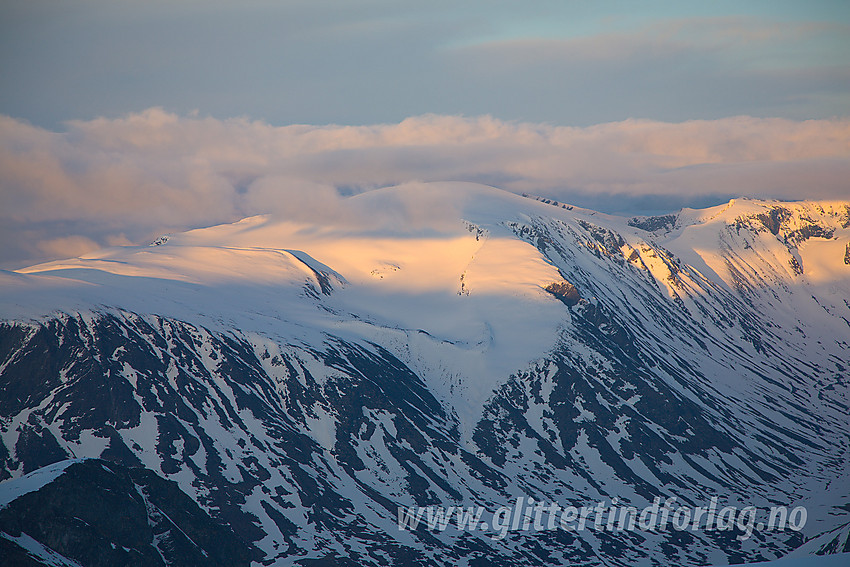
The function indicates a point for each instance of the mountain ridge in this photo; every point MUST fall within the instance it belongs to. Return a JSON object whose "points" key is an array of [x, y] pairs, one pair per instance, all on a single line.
{"points": [[301, 381]]}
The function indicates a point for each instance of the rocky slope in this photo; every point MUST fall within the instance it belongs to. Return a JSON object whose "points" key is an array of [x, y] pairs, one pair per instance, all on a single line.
{"points": [[93, 512], [301, 383]]}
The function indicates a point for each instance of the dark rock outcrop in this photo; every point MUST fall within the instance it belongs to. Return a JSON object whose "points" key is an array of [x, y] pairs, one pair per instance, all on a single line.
{"points": [[100, 513], [565, 292]]}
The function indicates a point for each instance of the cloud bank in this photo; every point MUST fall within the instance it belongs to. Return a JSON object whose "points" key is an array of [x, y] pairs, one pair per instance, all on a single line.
{"points": [[115, 181]]}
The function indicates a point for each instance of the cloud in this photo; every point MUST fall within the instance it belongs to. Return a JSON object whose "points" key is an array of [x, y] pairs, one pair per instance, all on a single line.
{"points": [[110, 181], [68, 247], [728, 34]]}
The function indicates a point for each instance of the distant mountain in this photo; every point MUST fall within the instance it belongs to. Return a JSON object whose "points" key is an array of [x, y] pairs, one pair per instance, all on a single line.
{"points": [[302, 383]]}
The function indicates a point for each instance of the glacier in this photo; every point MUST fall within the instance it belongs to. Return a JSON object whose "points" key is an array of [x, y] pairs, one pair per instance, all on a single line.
{"points": [[301, 382]]}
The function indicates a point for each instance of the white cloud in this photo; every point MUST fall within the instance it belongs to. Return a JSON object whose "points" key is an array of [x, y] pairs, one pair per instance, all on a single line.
{"points": [[106, 181], [67, 247]]}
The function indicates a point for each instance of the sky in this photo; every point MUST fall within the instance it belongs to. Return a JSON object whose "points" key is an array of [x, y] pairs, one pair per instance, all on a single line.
{"points": [[374, 61], [120, 119]]}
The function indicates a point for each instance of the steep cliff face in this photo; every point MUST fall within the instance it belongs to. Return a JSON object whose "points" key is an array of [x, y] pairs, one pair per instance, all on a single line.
{"points": [[301, 384]]}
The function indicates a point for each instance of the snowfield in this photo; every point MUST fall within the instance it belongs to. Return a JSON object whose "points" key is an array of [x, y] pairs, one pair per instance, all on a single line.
{"points": [[301, 381]]}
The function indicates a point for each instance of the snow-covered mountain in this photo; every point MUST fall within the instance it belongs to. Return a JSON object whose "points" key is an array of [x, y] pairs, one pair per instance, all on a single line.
{"points": [[302, 381]]}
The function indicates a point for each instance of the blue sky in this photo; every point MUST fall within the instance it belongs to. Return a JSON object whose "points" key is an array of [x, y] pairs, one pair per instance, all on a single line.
{"points": [[380, 61]]}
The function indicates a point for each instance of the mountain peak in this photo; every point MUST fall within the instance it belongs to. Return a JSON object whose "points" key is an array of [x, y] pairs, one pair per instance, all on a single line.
{"points": [[444, 344]]}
